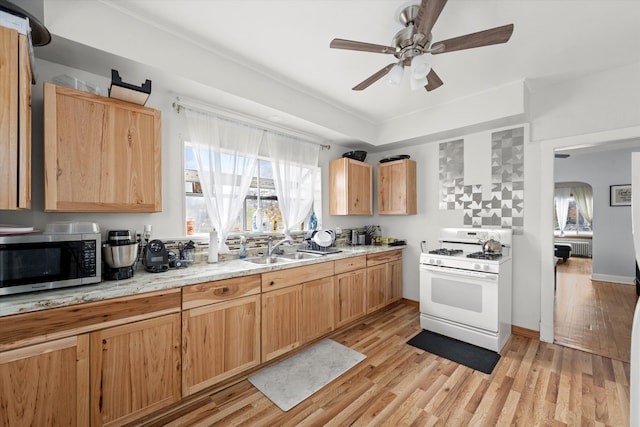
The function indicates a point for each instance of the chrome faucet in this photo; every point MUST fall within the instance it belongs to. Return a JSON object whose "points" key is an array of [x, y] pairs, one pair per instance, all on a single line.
{"points": [[271, 247]]}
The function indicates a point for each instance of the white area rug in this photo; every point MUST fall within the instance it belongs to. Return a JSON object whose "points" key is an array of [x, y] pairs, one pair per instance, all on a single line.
{"points": [[294, 379]]}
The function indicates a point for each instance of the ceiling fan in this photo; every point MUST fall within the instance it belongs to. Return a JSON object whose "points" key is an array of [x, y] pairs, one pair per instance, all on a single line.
{"points": [[411, 43]]}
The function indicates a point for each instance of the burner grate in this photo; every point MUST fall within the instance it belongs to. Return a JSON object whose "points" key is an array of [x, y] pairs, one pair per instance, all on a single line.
{"points": [[484, 255], [443, 251]]}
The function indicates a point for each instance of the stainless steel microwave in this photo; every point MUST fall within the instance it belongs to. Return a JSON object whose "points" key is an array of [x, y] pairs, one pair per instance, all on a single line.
{"points": [[33, 262]]}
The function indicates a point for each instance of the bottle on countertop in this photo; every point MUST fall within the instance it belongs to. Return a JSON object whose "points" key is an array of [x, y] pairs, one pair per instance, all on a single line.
{"points": [[213, 247], [243, 247], [313, 221]]}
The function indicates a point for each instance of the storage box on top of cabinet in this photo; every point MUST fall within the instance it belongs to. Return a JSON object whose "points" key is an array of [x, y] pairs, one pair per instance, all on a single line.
{"points": [[15, 121], [101, 154]]}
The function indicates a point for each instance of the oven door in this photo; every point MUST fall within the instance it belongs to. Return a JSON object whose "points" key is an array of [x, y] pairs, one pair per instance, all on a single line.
{"points": [[460, 296]]}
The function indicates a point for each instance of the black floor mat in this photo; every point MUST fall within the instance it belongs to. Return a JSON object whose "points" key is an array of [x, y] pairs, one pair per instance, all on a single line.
{"points": [[474, 357]]}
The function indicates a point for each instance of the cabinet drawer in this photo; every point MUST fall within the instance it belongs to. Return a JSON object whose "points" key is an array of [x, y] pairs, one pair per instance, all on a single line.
{"points": [[350, 264], [383, 257], [31, 328], [219, 290], [294, 276]]}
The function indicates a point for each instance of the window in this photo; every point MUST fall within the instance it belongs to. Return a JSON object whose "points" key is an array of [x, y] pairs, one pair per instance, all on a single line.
{"points": [[262, 193], [576, 222], [578, 201]]}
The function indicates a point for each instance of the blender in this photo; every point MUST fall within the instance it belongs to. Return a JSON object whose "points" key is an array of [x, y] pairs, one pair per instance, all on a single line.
{"points": [[119, 254]]}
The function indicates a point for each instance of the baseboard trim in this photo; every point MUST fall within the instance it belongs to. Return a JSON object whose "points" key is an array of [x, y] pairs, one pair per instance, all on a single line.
{"points": [[411, 302], [524, 332], [625, 280]]}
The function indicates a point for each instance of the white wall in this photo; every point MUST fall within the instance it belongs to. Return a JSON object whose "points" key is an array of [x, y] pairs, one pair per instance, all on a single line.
{"points": [[613, 253]]}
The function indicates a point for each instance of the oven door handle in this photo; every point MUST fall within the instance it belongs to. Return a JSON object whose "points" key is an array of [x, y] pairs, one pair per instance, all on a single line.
{"points": [[459, 272]]}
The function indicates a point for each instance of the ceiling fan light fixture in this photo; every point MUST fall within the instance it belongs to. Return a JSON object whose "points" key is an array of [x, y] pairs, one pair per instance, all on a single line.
{"points": [[418, 83], [419, 67], [395, 75]]}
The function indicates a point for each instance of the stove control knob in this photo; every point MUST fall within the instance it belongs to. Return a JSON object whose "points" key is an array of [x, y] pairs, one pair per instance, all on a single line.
{"points": [[477, 266], [485, 267], [438, 261]]}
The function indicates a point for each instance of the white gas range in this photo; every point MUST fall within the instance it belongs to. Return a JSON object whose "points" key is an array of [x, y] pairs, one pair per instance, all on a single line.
{"points": [[465, 293]]}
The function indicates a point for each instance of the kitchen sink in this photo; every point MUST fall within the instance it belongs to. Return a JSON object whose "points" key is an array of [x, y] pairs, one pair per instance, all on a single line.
{"points": [[268, 260], [301, 255]]}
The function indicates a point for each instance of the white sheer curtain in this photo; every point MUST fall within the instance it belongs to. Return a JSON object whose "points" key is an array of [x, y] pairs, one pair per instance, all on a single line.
{"points": [[226, 154], [562, 196], [294, 165], [584, 200]]}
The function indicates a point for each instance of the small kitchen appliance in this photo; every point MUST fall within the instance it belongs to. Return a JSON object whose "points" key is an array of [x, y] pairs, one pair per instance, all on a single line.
{"points": [[38, 261], [156, 257], [465, 286], [119, 253]]}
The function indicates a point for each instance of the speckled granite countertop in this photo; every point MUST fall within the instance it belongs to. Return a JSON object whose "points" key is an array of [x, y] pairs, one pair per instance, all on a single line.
{"points": [[149, 282]]}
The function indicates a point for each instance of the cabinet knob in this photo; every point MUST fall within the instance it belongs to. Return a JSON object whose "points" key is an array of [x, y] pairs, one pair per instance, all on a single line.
{"points": [[225, 290]]}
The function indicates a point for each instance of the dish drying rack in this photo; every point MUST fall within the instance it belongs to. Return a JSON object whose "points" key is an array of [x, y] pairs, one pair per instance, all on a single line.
{"points": [[310, 246]]}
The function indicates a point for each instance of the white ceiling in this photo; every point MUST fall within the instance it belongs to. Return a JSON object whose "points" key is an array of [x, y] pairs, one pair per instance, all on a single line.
{"points": [[288, 41]]}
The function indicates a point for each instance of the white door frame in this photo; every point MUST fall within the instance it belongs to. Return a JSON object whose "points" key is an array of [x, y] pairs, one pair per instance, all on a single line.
{"points": [[547, 185]]}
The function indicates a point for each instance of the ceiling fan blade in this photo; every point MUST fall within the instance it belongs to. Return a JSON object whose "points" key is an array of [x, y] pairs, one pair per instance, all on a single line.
{"points": [[373, 78], [433, 81], [361, 46], [481, 38], [427, 16]]}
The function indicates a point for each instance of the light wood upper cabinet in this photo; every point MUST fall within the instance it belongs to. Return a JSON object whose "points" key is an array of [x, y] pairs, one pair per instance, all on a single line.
{"points": [[101, 154], [46, 384], [15, 121], [397, 188], [350, 187], [134, 369]]}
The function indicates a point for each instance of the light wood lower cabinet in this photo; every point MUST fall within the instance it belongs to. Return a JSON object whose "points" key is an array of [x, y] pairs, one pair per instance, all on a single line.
{"points": [[350, 296], [281, 321], [134, 369], [46, 384], [219, 341], [394, 269], [377, 287], [317, 308], [384, 279]]}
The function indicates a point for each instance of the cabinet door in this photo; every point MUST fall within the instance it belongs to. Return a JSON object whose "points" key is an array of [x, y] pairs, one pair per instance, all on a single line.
{"points": [[15, 121], [397, 188], [134, 369], [394, 270], [101, 155], [46, 384], [350, 296], [350, 187], [377, 287], [317, 308], [281, 321], [219, 341]]}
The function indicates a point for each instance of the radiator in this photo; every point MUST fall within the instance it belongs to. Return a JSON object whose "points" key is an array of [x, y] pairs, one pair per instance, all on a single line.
{"points": [[579, 247]]}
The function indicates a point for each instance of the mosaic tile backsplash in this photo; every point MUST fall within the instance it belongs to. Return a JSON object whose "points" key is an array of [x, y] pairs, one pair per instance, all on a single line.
{"points": [[506, 206]]}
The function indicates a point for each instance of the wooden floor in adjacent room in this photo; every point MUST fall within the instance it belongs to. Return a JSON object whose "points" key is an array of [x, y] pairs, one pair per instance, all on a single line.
{"points": [[534, 383], [593, 316]]}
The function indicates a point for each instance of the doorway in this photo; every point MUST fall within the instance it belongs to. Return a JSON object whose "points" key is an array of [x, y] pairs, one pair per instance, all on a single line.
{"points": [[591, 311]]}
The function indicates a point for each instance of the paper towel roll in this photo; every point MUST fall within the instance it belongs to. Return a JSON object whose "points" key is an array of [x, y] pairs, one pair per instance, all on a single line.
{"points": [[213, 247]]}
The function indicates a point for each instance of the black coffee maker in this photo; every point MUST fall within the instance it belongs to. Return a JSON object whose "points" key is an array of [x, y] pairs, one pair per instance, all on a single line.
{"points": [[119, 254]]}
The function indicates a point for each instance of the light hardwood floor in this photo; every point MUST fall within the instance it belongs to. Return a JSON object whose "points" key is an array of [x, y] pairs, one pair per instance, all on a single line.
{"points": [[534, 383], [590, 315]]}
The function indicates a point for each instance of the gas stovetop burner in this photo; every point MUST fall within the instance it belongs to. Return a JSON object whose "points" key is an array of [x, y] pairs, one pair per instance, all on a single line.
{"points": [[484, 255], [443, 251]]}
